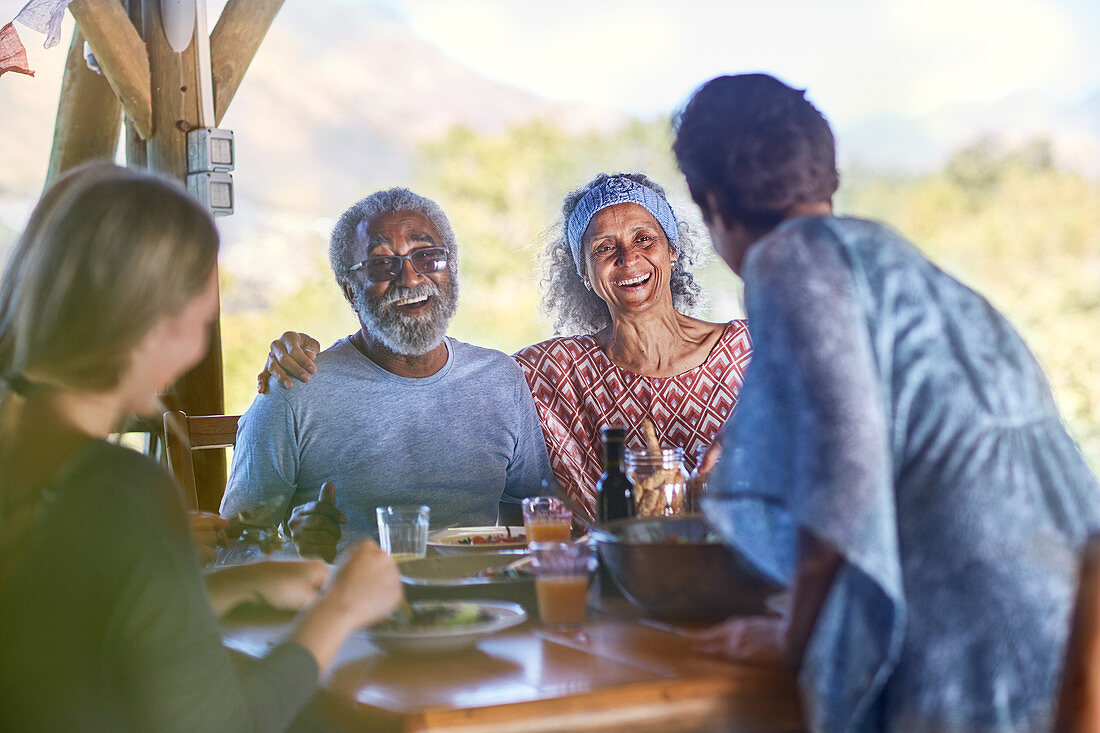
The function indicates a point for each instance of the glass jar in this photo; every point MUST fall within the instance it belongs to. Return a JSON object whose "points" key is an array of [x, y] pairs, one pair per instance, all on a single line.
{"points": [[660, 482]]}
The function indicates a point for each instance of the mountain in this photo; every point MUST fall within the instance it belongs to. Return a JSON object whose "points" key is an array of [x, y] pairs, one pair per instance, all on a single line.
{"points": [[342, 92], [921, 144], [334, 105], [340, 96]]}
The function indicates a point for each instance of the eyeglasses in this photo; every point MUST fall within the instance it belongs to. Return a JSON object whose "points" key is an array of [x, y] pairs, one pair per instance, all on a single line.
{"points": [[383, 269]]}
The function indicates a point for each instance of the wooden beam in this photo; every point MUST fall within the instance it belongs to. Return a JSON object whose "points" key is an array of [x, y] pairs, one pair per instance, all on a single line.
{"points": [[121, 54], [233, 43], [88, 115], [203, 390], [136, 156], [175, 111]]}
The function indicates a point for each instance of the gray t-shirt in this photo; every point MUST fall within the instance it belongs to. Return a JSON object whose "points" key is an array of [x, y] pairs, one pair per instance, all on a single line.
{"points": [[459, 441]]}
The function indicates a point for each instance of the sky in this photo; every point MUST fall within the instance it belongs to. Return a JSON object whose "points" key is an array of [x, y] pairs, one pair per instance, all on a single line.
{"points": [[858, 58]]}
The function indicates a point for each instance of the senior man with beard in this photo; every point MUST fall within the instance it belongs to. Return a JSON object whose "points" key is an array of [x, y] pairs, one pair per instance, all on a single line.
{"points": [[398, 412]]}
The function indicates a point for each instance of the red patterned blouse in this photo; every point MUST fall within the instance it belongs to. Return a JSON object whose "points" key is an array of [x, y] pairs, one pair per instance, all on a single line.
{"points": [[578, 391]]}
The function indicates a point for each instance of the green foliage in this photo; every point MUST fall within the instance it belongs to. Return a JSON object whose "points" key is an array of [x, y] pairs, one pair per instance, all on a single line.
{"points": [[1009, 223], [317, 307], [1025, 235], [503, 195]]}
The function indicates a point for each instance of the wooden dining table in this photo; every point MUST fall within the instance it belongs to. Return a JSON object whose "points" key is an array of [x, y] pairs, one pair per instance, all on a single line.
{"points": [[614, 672]]}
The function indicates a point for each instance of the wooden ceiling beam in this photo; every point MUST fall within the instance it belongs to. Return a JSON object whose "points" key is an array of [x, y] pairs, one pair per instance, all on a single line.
{"points": [[121, 55], [88, 116], [233, 43]]}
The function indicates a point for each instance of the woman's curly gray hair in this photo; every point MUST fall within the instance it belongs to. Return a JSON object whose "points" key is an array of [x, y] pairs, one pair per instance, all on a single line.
{"points": [[574, 309]]}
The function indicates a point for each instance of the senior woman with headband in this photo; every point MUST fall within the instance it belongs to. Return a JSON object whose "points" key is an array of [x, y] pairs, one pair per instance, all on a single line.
{"points": [[621, 297], [626, 346]]}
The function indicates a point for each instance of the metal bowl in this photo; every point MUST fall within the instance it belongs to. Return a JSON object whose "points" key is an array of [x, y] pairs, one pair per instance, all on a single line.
{"points": [[678, 570]]}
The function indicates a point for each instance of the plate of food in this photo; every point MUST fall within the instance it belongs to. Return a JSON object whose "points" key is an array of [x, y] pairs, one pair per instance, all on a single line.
{"points": [[493, 575], [459, 540], [443, 627]]}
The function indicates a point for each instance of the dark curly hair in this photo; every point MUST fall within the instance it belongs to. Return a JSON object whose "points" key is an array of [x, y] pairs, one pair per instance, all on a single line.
{"points": [[758, 146]]}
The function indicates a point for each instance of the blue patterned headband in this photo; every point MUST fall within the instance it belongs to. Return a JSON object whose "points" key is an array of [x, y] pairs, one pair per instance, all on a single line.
{"points": [[618, 190]]}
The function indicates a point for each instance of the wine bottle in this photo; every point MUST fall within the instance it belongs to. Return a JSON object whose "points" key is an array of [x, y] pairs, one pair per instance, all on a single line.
{"points": [[614, 490]]}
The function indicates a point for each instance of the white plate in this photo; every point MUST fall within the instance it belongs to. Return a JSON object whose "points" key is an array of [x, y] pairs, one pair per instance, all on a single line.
{"points": [[450, 541], [465, 570], [502, 615]]}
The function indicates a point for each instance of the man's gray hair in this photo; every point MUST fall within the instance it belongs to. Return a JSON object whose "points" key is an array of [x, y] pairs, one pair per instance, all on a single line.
{"points": [[346, 232], [572, 308]]}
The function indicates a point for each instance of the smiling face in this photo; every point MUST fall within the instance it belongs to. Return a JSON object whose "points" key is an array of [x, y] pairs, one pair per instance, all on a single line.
{"points": [[409, 314], [628, 259]]}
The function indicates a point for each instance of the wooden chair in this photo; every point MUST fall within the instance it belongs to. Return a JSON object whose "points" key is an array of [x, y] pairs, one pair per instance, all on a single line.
{"points": [[1079, 699], [184, 434]]}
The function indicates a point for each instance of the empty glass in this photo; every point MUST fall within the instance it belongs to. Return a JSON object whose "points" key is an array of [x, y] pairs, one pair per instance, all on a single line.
{"points": [[403, 530]]}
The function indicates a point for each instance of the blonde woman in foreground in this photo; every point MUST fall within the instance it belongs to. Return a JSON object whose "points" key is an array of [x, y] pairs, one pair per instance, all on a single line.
{"points": [[104, 619]]}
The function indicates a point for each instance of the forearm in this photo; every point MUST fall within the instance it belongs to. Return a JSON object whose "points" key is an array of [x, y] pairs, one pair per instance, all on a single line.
{"points": [[818, 564], [322, 629], [230, 586]]}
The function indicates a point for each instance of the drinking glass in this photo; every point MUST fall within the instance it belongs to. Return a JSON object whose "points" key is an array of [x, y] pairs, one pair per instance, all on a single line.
{"points": [[561, 570], [546, 519], [403, 530]]}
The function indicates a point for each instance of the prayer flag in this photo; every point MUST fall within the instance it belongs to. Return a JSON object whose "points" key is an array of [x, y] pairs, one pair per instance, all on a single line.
{"points": [[13, 57], [44, 16]]}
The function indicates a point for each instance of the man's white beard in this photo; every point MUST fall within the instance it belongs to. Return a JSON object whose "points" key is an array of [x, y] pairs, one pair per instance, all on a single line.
{"points": [[408, 335]]}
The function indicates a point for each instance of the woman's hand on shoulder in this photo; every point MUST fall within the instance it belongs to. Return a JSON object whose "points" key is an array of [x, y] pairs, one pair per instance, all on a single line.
{"points": [[290, 355]]}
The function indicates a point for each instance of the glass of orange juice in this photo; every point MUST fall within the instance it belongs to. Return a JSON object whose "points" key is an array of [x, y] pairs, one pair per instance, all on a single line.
{"points": [[561, 570], [546, 519]]}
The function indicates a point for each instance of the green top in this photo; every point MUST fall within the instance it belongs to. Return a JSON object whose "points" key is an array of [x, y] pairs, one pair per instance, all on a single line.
{"points": [[105, 623]]}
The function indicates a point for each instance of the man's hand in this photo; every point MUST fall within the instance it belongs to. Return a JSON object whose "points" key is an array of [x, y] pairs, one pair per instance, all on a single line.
{"points": [[315, 525], [208, 532], [291, 355]]}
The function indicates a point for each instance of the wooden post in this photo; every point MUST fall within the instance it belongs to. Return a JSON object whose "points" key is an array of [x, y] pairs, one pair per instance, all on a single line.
{"points": [[136, 156], [88, 115], [120, 53], [233, 43], [175, 111]]}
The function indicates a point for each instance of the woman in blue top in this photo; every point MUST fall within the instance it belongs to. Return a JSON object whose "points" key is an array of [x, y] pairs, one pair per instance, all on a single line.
{"points": [[896, 456]]}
